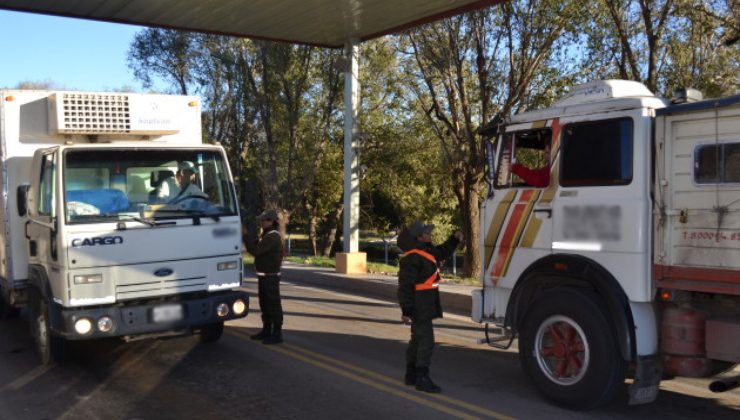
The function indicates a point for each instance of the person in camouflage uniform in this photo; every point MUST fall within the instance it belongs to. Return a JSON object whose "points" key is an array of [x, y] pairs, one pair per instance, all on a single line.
{"points": [[418, 296], [268, 257]]}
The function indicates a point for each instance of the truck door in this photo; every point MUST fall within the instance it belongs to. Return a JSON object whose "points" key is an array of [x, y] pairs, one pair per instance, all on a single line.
{"points": [[601, 210], [41, 228], [517, 219]]}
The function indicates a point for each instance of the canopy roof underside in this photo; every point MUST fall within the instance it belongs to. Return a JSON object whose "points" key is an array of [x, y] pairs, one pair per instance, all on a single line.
{"points": [[328, 23]]}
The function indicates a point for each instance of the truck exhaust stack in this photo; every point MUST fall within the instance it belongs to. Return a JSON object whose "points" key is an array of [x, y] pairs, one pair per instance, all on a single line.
{"points": [[725, 384]]}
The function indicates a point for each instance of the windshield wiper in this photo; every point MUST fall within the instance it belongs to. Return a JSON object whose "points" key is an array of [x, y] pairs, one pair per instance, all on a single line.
{"points": [[201, 213], [141, 220], [196, 214]]}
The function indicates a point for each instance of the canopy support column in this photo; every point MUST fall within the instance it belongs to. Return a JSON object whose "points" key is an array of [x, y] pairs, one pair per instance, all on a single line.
{"points": [[351, 261]]}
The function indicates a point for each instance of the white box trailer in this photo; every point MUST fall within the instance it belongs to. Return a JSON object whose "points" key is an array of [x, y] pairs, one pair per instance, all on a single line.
{"points": [[611, 241], [115, 219]]}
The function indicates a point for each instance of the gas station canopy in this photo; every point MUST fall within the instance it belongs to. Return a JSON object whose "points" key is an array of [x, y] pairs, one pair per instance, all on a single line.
{"points": [[328, 23]]}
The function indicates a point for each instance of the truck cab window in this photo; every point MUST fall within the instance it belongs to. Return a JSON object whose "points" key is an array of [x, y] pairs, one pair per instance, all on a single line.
{"points": [[45, 197], [717, 163], [112, 185], [524, 159], [597, 153]]}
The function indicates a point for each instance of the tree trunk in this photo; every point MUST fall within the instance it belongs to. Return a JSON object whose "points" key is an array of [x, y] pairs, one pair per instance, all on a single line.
{"points": [[313, 223], [332, 228], [471, 228]]}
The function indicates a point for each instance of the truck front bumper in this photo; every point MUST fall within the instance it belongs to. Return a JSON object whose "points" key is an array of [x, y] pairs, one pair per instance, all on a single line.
{"points": [[152, 318]]}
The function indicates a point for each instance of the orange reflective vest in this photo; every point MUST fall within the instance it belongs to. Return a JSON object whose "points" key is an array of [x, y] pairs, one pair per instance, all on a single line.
{"points": [[433, 281]]}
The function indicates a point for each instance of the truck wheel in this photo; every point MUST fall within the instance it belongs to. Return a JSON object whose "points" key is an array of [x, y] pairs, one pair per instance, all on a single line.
{"points": [[49, 348], [568, 350], [6, 310], [212, 332]]}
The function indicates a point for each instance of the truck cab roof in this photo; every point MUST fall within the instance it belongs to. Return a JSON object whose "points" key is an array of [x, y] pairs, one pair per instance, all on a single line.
{"points": [[596, 97]]}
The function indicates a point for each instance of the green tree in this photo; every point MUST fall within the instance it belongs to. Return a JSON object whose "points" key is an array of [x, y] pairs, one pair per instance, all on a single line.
{"points": [[665, 44], [467, 68], [165, 53]]}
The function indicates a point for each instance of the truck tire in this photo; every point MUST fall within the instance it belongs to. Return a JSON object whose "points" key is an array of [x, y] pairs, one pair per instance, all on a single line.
{"points": [[49, 348], [6, 310], [568, 349], [212, 332]]}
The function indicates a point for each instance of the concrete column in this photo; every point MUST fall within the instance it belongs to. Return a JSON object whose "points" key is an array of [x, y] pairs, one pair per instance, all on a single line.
{"points": [[351, 160], [351, 261]]}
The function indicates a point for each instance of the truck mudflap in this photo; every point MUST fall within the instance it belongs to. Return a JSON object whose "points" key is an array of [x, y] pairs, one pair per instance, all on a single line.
{"points": [[645, 387], [160, 317]]}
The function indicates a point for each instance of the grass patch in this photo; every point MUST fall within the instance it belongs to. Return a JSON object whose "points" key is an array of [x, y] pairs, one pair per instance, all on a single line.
{"points": [[380, 268], [317, 261]]}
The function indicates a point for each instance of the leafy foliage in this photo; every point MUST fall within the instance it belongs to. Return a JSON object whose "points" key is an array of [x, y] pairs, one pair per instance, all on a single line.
{"points": [[277, 108]]}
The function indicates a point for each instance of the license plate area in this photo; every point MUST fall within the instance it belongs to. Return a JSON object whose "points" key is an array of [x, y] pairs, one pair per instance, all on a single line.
{"points": [[167, 313]]}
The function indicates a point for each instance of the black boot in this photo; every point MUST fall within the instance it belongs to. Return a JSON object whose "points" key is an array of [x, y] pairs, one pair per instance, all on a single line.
{"points": [[424, 382], [276, 337], [266, 328], [410, 378]]}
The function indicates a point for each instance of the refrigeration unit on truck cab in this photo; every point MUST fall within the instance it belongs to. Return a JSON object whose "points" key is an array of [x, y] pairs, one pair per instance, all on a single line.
{"points": [[611, 241], [100, 235]]}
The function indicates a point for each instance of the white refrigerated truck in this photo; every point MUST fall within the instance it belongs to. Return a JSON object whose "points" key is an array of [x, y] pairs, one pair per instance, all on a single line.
{"points": [[611, 241], [96, 236]]}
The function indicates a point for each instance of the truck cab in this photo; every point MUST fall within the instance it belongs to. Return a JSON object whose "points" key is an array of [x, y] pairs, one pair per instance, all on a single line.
{"points": [[118, 231], [610, 242]]}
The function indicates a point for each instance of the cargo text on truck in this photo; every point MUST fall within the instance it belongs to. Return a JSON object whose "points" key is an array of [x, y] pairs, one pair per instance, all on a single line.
{"points": [[624, 254], [91, 237]]}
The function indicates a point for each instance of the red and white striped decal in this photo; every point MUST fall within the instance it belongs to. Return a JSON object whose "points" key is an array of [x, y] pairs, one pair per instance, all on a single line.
{"points": [[513, 231]]}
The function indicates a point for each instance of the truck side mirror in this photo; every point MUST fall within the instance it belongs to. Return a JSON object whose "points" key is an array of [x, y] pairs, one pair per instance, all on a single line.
{"points": [[22, 199]]}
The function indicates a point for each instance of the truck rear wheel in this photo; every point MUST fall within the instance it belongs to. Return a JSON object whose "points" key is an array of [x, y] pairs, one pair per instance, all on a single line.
{"points": [[212, 332], [6, 310], [568, 350], [49, 348]]}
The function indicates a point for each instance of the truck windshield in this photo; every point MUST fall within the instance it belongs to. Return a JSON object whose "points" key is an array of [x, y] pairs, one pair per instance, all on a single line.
{"points": [[145, 184]]}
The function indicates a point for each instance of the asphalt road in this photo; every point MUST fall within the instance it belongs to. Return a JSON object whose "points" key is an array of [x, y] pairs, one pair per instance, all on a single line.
{"points": [[342, 359]]}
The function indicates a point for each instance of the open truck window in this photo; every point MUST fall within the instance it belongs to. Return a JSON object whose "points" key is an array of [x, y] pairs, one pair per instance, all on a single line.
{"points": [[717, 163], [524, 159]]}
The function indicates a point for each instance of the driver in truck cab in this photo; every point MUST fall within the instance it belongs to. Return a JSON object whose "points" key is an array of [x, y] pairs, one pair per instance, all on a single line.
{"points": [[186, 181]]}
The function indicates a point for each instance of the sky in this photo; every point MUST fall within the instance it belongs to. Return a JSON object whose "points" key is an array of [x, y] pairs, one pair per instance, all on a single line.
{"points": [[73, 54]]}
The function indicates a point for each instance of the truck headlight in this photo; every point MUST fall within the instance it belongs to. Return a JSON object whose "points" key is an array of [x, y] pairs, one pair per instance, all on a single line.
{"points": [[222, 310], [228, 265], [88, 278], [238, 307], [83, 326], [105, 324]]}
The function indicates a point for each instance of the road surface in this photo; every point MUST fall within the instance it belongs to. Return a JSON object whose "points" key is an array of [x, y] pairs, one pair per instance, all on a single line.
{"points": [[342, 359]]}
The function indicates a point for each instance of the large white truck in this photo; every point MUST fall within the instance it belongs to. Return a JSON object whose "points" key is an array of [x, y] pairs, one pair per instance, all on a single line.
{"points": [[611, 241], [96, 237]]}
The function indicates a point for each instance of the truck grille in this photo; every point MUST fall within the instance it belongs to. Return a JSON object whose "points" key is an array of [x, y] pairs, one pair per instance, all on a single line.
{"points": [[92, 113], [160, 288]]}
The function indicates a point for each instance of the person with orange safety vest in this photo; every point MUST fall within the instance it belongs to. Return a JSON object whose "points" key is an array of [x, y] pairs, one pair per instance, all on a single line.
{"points": [[418, 296]]}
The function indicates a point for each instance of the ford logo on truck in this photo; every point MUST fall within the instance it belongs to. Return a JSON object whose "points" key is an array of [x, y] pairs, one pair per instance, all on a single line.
{"points": [[102, 240]]}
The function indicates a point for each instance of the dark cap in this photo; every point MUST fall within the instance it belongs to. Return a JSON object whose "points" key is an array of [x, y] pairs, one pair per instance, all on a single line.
{"points": [[417, 228], [187, 165], [268, 215]]}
